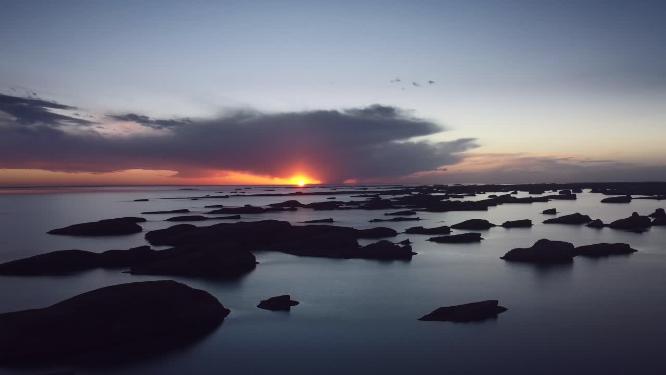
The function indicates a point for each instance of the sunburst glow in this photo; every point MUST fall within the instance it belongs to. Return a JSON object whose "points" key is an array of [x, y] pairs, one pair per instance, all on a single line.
{"points": [[301, 180]]}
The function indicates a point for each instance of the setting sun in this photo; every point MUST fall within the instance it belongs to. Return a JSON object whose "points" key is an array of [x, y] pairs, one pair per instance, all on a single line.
{"points": [[301, 180]]}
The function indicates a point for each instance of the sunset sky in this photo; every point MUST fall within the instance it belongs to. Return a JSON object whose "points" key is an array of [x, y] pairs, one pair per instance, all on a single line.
{"points": [[282, 92]]}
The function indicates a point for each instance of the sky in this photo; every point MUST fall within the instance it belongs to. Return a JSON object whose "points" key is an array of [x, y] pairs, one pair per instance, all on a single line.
{"points": [[217, 92]]}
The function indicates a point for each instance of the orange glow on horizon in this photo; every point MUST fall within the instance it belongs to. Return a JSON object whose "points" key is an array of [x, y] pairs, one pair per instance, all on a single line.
{"points": [[302, 180], [40, 177]]}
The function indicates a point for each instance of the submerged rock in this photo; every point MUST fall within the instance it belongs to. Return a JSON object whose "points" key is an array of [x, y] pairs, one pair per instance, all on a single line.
{"points": [[136, 317], [283, 303], [431, 231], [474, 224], [526, 223], [604, 249], [543, 251], [619, 199], [573, 219], [181, 211], [469, 312], [549, 211], [108, 227], [634, 223], [395, 219], [401, 213], [316, 221], [458, 238]]}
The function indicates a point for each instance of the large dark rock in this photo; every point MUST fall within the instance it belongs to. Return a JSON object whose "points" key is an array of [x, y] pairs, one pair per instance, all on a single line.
{"points": [[212, 260], [430, 231], [68, 261], [468, 312], [181, 211], [136, 317], [573, 219], [549, 211], [659, 221], [278, 303], [619, 199], [634, 223], [305, 240], [474, 224], [604, 249], [108, 227], [544, 252], [458, 238], [526, 223]]}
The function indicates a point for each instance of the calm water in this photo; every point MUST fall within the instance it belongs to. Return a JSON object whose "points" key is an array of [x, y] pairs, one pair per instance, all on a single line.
{"points": [[601, 316]]}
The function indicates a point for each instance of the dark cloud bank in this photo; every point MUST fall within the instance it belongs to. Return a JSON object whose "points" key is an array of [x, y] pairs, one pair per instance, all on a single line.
{"points": [[363, 143]]}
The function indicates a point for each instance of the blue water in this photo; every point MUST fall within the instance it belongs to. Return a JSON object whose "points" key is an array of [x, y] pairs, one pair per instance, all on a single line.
{"points": [[601, 316]]}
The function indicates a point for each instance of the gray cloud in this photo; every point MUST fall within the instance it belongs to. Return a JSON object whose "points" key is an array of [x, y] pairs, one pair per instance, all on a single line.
{"points": [[362, 143], [28, 111], [518, 168]]}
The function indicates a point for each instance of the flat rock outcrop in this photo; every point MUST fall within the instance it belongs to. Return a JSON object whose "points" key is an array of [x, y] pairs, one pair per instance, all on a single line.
{"points": [[469, 312], [107, 227], [618, 199]]}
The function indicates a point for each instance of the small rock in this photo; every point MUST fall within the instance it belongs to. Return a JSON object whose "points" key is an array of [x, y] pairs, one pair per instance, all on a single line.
{"points": [[283, 303]]}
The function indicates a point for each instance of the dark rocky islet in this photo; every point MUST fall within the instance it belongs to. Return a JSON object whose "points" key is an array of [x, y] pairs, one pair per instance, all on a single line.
{"points": [[150, 316]]}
